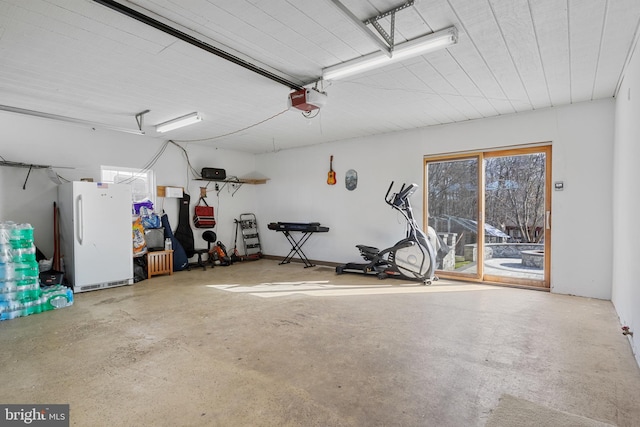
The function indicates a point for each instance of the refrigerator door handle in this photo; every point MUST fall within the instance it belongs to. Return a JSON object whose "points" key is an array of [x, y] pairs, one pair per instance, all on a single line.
{"points": [[80, 220]]}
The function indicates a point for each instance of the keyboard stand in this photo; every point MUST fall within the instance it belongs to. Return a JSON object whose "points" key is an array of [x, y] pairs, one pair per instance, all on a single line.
{"points": [[296, 248], [307, 229]]}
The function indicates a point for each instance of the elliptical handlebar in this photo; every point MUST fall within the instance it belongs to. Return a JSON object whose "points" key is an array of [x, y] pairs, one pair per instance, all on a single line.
{"points": [[386, 197], [406, 192], [397, 200]]}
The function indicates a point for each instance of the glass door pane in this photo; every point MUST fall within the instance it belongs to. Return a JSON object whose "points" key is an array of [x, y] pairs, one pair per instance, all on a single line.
{"points": [[515, 206], [452, 204]]}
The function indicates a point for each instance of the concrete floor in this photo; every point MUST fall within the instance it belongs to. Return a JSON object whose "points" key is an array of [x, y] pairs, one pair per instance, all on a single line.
{"points": [[322, 350]]}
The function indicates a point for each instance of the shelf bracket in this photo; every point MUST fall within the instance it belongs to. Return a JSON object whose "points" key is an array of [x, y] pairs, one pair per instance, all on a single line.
{"points": [[140, 119], [230, 180], [239, 184], [24, 186]]}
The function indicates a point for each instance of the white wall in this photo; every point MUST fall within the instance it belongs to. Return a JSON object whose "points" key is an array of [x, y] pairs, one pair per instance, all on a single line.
{"points": [[582, 137], [41, 141], [626, 203]]}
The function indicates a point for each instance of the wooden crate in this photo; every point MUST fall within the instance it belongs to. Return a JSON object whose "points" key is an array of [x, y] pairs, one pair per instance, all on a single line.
{"points": [[159, 262]]}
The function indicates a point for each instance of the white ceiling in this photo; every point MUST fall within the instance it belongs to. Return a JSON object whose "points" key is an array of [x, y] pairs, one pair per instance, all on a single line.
{"points": [[81, 59]]}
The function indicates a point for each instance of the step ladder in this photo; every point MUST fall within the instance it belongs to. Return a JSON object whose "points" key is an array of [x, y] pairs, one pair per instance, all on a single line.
{"points": [[250, 237]]}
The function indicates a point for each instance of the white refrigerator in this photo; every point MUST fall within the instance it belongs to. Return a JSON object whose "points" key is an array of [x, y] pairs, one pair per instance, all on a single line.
{"points": [[96, 235]]}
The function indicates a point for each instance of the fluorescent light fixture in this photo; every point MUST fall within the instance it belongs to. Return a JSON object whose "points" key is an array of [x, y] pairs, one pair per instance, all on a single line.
{"points": [[421, 45], [187, 120]]}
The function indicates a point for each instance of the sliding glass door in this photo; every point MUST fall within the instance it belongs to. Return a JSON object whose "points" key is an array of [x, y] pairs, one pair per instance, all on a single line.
{"points": [[453, 202], [491, 213]]}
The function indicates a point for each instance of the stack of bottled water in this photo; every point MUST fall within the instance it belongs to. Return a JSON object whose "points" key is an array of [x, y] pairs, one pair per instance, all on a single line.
{"points": [[20, 291]]}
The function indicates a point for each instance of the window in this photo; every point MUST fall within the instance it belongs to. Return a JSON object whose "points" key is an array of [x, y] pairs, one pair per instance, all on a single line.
{"points": [[142, 182]]}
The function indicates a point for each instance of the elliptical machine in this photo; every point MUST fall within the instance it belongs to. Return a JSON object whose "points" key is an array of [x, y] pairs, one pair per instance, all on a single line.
{"points": [[412, 258]]}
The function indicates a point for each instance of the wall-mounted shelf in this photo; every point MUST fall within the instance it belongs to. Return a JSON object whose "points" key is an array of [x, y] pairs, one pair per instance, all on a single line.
{"points": [[234, 180], [50, 172], [253, 180]]}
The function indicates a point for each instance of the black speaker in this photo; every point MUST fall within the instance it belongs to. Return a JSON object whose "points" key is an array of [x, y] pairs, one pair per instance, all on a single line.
{"points": [[213, 173]]}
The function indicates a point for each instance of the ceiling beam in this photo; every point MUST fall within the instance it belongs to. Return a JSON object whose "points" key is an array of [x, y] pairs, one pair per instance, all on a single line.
{"points": [[390, 36], [66, 119], [383, 47]]}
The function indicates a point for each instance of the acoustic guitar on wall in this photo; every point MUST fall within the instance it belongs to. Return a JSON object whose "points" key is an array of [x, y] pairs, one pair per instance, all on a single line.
{"points": [[331, 178]]}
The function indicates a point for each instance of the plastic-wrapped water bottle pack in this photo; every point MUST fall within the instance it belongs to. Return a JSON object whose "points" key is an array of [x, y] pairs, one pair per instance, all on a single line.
{"points": [[20, 290]]}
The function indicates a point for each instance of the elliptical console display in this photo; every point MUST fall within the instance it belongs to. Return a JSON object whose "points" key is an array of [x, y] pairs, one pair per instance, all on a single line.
{"points": [[412, 258]]}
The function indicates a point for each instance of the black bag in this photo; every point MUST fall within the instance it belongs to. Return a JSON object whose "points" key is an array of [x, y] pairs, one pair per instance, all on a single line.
{"points": [[183, 232], [139, 269]]}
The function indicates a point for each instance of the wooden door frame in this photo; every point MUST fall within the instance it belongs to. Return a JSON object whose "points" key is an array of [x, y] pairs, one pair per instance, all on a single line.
{"points": [[480, 157]]}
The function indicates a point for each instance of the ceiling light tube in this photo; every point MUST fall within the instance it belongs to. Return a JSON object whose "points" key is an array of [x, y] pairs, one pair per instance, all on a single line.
{"points": [[187, 120], [434, 41]]}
